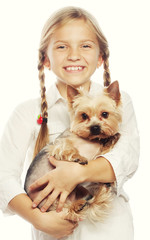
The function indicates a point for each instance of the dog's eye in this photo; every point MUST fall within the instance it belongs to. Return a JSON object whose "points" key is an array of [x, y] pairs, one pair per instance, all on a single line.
{"points": [[105, 114], [84, 116]]}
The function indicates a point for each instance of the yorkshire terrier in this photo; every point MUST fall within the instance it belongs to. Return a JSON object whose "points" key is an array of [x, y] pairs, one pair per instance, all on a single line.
{"points": [[94, 131]]}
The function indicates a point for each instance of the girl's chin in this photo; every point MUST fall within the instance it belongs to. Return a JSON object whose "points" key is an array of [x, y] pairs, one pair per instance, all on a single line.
{"points": [[74, 82]]}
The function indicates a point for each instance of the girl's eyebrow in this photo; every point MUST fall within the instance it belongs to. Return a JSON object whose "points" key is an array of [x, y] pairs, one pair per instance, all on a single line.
{"points": [[60, 41], [88, 40]]}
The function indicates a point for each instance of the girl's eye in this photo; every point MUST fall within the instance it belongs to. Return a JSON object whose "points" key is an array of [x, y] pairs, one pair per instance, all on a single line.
{"points": [[86, 46], [61, 47], [84, 116], [105, 114]]}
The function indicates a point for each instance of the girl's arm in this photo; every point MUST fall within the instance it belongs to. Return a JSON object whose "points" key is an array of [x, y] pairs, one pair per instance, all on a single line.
{"points": [[50, 222]]}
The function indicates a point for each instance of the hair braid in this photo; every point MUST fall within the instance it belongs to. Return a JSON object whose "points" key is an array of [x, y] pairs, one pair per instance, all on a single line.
{"points": [[44, 105], [43, 136], [106, 75]]}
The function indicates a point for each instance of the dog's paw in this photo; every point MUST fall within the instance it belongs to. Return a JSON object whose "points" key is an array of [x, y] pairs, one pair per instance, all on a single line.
{"points": [[78, 205], [81, 160], [72, 216]]}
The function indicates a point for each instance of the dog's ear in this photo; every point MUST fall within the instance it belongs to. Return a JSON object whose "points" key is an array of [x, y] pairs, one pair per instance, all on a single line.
{"points": [[71, 93], [114, 92]]}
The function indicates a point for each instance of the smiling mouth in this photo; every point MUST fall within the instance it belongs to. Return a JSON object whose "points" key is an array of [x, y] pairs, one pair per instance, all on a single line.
{"points": [[74, 68]]}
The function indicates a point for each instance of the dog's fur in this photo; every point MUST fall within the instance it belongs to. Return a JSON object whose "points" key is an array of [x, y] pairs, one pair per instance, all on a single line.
{"points": [[94, 131]]}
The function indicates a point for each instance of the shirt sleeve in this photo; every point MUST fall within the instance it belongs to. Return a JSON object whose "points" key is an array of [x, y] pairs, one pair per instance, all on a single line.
{"points": [[124, 157], [13, 147]]}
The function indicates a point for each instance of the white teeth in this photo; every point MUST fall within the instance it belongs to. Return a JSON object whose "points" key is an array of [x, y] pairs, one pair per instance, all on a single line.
{"points": [[73, 68]]}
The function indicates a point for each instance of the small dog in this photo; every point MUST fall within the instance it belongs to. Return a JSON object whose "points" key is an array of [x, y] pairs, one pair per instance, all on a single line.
{"points": [[94, 131]]}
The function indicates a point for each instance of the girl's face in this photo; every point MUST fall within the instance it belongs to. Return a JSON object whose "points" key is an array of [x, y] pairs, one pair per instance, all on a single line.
{"points": [[73, 53]]}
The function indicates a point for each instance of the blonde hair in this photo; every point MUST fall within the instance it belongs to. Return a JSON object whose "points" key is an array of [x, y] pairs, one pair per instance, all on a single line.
{"points": [[58, 19]]}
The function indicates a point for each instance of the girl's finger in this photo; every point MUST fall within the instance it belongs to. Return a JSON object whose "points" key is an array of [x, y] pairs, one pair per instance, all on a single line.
{"points": [[42, 195], [53, 161], [50, 200], [62, 200], [40, 182]]}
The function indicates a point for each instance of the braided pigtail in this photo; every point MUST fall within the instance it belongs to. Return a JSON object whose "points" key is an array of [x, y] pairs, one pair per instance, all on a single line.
{"points": [[43, 136], [106, 75]]}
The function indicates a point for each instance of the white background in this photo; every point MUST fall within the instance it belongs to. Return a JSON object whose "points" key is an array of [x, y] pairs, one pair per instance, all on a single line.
{"points": [[126, 26]]}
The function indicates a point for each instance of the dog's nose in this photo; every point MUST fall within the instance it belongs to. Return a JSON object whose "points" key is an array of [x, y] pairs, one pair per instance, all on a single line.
{"points": [[95, 129]]}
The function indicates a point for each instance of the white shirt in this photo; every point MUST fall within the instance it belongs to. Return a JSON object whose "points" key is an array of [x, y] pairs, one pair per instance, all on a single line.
{"points": [[21, 131]]}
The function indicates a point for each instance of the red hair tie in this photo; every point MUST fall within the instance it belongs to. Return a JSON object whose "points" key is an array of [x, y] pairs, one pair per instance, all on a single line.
{"points": [[40, 119]]}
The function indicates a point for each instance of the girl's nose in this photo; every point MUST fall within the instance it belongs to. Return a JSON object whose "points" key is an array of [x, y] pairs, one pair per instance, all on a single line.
{"points": [[74, 55]]}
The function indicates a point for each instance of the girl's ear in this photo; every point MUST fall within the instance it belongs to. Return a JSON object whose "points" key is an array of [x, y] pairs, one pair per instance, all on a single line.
{"points": [[100, 61], [47, 62]]}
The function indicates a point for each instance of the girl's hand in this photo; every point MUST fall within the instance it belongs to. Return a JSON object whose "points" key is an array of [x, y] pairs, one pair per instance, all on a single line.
{"points": [[60, 182], [55, 224]]}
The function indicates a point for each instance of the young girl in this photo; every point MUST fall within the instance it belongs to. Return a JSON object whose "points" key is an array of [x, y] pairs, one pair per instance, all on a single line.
{"points": [[72, 46]]}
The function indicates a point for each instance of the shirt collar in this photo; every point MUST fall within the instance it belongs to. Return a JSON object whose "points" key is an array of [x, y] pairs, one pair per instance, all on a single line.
{"points": [[53, 94]]}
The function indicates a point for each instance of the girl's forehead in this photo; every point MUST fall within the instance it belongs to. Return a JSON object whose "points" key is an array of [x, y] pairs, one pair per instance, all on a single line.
{"points": [[75, 29]]}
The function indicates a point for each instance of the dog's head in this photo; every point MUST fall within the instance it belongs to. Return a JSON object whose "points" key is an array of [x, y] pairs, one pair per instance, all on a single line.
{"points": [[95, 117]]}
